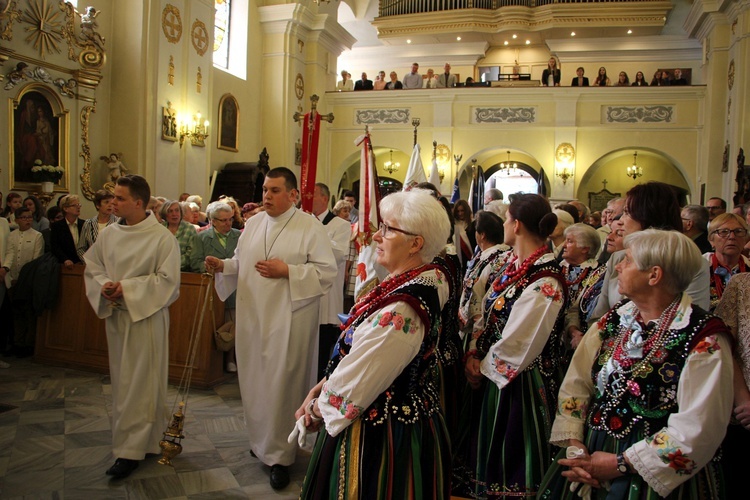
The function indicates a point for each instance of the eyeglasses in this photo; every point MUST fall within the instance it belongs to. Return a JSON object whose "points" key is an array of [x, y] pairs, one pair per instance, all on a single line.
{"points": [[386, 230], [73, 206], [222, 220], [738, 233]]}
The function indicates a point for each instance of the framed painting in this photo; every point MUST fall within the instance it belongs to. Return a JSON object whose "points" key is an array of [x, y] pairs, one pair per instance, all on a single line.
{"points": [[168, 124], [229, 117], [38, 133]]}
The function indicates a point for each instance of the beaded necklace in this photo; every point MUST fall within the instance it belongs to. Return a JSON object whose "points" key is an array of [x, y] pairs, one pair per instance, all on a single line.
{"points": [[625, 365], [571, 283], [510, 276]]}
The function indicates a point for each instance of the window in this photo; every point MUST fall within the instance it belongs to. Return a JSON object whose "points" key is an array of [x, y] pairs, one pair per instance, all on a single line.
{"points": [[221, 32]]}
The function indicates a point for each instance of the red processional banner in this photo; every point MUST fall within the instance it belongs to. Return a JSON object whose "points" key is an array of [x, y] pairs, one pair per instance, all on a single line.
{"points": [[310, 136]]}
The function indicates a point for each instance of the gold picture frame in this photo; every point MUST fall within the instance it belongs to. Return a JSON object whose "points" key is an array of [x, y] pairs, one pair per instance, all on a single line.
{"points": [[168, 124], [229, 123], [39, 130]]}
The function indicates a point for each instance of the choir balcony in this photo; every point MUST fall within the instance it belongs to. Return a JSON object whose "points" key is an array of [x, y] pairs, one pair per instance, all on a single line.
{"points": [[549, 18]]}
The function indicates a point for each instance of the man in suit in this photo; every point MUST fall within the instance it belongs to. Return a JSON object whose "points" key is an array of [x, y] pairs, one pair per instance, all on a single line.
{"points": [[24, 245], [364, 83], [446, 80], [579, 80], [65, 233], [695, 226]]}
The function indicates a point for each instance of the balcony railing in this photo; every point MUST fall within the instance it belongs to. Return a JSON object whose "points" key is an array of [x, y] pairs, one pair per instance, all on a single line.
{"points": [[401, 7]]}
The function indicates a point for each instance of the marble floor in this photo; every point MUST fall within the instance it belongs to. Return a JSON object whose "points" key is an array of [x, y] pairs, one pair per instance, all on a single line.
{"points": [[55, 442]]}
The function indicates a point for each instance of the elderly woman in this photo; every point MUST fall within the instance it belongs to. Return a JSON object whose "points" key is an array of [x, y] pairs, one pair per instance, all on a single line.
{"points": [[727, 233], [172, 218], [649, 205], [342, 209], [734, 309], [104, 217], [384, 434], [219, 240], [646, 400], [514, 357], [557, 238], [583, 276]]}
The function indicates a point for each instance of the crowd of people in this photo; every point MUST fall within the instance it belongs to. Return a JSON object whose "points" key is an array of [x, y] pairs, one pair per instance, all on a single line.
{"points": [[525, 350], [551, 77]]}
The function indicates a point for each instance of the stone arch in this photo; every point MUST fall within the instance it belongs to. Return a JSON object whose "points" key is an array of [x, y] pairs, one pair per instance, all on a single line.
{"points": [[657, 166], [490, 159]]}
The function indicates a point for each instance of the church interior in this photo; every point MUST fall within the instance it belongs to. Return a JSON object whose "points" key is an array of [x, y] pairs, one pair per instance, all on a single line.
{"points": [[190, 93]]}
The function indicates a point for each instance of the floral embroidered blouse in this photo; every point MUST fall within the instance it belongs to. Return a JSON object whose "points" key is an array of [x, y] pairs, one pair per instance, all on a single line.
{"points": [[734, 309], [701, 388], [530, 322], [383, 345]]}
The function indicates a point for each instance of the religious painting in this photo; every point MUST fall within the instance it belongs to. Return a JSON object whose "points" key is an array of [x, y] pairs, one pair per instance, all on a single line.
{"points": [[229, 117], [38, 136], [168, 124]]}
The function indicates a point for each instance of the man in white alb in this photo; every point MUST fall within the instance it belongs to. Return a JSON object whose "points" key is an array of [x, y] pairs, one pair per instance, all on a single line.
{"points": [[132, 276], [282, 266]]}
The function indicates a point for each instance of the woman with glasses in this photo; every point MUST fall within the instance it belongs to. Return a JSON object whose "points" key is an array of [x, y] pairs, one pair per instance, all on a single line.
{"points": [[382, 432], [514, 359], [173, 218], [649, 205], [727, 233]]}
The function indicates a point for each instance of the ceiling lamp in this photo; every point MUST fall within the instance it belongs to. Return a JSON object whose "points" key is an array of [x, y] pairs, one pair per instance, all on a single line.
{"points": [[390, 166], [634, 170], [508, 167]]}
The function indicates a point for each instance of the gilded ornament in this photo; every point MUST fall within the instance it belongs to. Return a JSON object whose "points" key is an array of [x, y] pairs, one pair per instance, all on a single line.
{"points": [[199, 37], [171, 23], [299, 86], [170, 71], [86, 152], [443, 153], [199, 81], [91, 43], [730, 75], [44, 31], [9, 13], [565, 152]]}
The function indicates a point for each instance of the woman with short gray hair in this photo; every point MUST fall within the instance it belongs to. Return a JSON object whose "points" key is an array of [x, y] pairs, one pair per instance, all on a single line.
{"points": [[381, 381], [647, 398]]}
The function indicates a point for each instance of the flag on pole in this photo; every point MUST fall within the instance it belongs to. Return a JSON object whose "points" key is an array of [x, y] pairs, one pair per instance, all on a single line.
{"points": [[456, 192], [310, 136], [541, 187], [476, 193], [415, 173], [435, 174], [368, 271]]}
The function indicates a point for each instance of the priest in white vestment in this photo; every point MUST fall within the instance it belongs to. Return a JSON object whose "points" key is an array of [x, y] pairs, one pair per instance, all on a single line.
{"points": [[132, 276], [282, 266]]}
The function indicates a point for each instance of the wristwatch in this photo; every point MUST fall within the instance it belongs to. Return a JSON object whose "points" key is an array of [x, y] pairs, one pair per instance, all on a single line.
{"points": [[622, 466]]}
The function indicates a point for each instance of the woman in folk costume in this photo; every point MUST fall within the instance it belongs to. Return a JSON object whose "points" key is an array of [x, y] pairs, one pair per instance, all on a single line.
{"points": [[384, 436], [648, 395], [727, 233], [514, 357], [464, 242]]}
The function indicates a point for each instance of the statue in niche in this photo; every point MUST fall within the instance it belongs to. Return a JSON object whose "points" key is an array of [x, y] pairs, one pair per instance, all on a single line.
{"points": [[170, 74], [115, 166], [199, 82], [89, 26]]}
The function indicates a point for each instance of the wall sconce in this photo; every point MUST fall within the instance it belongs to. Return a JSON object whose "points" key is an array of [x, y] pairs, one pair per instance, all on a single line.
{"points": [[390, 166], [564, 174], [634, 170], [196, 131]]}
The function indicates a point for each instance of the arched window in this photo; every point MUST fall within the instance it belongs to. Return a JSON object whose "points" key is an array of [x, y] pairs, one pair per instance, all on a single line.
{"points": [[222, 19]]}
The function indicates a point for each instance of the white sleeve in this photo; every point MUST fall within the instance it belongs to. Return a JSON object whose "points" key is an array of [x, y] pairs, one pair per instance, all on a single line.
{"points": [[693, 434], [576, 391], [382, 346], [526, 332]]}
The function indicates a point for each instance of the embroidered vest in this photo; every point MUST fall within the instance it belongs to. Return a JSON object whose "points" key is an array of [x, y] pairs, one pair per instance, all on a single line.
{"points": [[644, 399], [449, 342], [414, 394]]}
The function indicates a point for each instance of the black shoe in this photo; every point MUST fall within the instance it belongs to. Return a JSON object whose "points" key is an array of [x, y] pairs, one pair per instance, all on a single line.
{"points": [[279, 477], [122, 468]]}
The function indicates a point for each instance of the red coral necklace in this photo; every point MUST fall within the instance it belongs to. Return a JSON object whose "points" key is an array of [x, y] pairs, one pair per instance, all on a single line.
{"points": [[511, 276]]}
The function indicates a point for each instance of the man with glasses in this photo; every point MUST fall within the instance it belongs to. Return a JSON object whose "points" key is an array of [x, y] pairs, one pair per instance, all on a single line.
{"points": [[220, 241], [64, 234], [716, 206], [695, 226], [24, 245]]}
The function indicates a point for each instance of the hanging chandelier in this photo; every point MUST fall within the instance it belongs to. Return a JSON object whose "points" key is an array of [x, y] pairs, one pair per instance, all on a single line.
{"points": [[634, 170], [508, 167], [390, 166]]}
